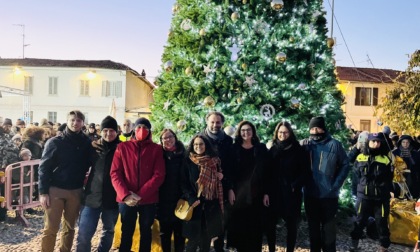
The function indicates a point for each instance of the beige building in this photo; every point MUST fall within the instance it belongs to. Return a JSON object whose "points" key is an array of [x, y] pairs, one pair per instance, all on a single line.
{"points": [[363, 89], [52, 88]]}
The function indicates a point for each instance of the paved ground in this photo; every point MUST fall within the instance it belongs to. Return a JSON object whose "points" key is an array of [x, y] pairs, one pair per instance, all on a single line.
{"points": [[14, 237]]}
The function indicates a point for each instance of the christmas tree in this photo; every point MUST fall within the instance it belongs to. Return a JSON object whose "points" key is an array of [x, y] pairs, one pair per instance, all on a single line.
{"points": [[259, 60]]}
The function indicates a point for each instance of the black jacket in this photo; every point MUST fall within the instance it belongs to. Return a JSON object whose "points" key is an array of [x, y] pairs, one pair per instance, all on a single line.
{"points": [[287, 172], [99, 191], [209, 208], [65, 161], [170, 191]]}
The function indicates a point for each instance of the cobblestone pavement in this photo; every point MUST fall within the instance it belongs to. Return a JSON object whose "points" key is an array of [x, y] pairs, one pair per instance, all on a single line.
{"points": [[16, 238]]}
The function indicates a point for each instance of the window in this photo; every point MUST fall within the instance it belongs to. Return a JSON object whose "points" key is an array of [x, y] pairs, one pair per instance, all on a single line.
{"points": [[366, 96], [112, 88], [365, 125], [84, 88], [29, 83], [86, 117], [52, 85], [52, 117]]}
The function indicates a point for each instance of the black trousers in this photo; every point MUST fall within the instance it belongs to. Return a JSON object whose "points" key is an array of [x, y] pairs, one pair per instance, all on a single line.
{"points": [[166, 230], [380, 210], [321, 223]]}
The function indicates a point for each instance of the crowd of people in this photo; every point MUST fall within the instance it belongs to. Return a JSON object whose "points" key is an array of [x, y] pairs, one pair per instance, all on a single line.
{"points": [[238, 187]]}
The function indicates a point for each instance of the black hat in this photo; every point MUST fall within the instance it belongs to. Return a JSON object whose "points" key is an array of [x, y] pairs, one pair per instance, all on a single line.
{"points": [[92, 126], [109, 122], [404, 137], [7, 121], [376, 136], [318, 122], [143, 121]]}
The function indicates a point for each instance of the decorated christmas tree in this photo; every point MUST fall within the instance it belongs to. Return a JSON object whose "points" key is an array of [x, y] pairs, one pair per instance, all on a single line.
{"points": [[259, 60]]}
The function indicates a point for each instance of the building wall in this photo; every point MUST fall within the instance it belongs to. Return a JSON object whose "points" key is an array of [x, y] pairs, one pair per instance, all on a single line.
{"points": [[356, 113], [68, 93]]}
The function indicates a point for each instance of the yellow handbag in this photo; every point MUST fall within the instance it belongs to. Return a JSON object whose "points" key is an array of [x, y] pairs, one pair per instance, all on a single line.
{"points": [[183, 209]]}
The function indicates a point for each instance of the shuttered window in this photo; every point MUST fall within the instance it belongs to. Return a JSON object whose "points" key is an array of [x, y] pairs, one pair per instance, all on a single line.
{"points": [[29, 84], [52, 85], [111, 88], [366, 96], [84, 88]]}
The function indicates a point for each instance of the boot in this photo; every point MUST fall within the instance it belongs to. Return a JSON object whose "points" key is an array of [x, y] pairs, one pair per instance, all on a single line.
{"points": [[354, 245]]}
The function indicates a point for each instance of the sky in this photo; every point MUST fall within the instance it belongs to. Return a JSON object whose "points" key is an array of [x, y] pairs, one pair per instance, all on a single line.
{"points": [[374, 33]]}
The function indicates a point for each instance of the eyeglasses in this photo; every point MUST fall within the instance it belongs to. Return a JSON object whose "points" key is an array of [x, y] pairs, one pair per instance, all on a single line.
{"points": [[284, 132], [167, 138], [246, 130], [199, 144]]}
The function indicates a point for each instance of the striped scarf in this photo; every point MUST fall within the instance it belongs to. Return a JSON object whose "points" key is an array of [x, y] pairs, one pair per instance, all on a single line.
{"points": [[212, 186], [405, 152]]}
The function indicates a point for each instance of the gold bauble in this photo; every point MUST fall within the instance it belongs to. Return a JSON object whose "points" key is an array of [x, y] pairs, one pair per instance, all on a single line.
{"points": [[277, 5], [281, 57], [244, 1], [234, 16], [209, 101], [181, 125], [188, 70], [292, 39], [330, 42], [175, 8], [168, 66], [238, 100], [202, 32], [244, 66]]}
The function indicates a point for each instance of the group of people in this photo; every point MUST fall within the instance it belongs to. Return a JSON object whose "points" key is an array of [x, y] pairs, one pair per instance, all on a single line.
{"points": [[239, 188]]}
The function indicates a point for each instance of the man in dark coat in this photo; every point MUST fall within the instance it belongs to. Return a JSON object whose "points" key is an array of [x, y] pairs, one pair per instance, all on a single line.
{"points": [[100, 196], [222, 143]]}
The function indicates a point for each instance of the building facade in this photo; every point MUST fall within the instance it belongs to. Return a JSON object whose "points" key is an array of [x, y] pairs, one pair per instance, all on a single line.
{"points": [[363, 89], [52, 88]]}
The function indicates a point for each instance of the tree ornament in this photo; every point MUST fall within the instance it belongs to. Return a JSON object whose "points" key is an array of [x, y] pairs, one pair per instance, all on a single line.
{"points": [[261, 27], [338, 125], [188, 71], [234, 16], [244, 66], [379, 122], [202, 32], [175, 8], [267, 111], [229, 130], [301, 86], [295, 102], [209, 101], [330, 42], [181, 125], [168, 66], [281, 57], [249, 80], [234, 49], [277, 5], [244, 1], [186, 24], [170, 33], [208, 70], [166, 105], [291, 39]]}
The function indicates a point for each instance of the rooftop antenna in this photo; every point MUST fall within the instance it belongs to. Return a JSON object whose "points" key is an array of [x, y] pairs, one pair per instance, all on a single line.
{"points": [[369, 61], [23, 39]]}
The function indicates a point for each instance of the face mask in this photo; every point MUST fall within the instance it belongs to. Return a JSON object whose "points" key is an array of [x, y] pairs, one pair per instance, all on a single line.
{"points": [[141, 134]]}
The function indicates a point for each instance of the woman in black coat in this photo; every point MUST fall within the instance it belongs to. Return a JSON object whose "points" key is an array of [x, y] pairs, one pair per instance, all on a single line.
{"points": [[170, 192], [248, 157], [287, 170], [202, 188]]}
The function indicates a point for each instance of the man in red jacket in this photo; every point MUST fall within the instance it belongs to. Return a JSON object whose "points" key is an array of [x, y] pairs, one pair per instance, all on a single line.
{"points": [[137, 171]]}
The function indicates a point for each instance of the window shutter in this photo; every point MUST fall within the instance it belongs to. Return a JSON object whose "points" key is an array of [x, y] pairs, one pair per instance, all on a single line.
{"points": [[118, 89], [86, 88], [357, 100], [375, 96], [81, 88], [103, 88]]}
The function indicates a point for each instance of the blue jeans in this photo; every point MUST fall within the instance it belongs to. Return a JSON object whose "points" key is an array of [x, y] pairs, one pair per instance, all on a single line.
{"points": [[89, 218], [128, 224]]}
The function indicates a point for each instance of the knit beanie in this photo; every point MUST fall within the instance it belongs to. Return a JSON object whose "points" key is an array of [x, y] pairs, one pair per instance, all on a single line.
{"points": [[318, 122], [143, 121], [386, 130], [62, 127], [92, 126], [7, 121], [109, 122]]}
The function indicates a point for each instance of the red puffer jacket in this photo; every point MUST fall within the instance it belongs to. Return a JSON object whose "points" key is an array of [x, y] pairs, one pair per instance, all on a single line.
{"points": [[138, 166]]}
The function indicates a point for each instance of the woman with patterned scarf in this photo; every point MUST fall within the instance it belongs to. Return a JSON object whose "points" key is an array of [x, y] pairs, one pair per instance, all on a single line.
{"points": [[202, 188], [412, 159]]}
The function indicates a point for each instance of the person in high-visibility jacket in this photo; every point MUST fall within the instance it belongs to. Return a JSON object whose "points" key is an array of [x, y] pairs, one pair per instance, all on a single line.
{"points": [[126, 131]]}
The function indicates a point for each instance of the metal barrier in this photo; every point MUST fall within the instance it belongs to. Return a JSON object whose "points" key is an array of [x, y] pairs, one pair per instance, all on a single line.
{"points": [[21, 188]]}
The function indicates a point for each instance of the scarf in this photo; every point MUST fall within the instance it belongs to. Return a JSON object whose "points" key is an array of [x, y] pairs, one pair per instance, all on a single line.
{"points": [[318, 137], [283, 145], [219, 136], [212, 186]]}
